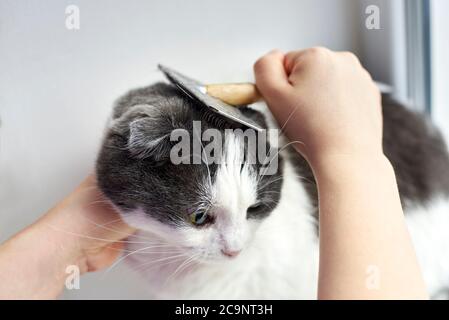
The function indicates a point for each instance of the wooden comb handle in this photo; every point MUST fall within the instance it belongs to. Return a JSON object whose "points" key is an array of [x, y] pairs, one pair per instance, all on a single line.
{"points": [[236, 94]]}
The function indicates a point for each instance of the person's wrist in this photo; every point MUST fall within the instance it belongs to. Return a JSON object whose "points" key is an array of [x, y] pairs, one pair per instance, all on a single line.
{"points": [[78, 238], [343, 167], [325, 151], [89, 227]]}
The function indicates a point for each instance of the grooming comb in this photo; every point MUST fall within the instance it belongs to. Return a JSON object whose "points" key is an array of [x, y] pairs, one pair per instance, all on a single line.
{"points": [[201, 94]]}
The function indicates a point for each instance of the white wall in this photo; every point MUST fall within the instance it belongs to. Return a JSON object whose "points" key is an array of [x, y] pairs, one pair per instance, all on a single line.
{"points": [[383, 51], [57, 86], [440, 64]]}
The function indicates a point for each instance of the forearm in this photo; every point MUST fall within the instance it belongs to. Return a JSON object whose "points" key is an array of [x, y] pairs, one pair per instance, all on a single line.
{"points": [[365, 248]]}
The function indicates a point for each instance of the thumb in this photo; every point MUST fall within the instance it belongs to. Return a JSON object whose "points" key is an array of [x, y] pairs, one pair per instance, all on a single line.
{"points": [[271, 76]]}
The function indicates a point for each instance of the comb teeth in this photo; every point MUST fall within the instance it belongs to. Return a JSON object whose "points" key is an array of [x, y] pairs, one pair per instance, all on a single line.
{"points": [[216, 120]]}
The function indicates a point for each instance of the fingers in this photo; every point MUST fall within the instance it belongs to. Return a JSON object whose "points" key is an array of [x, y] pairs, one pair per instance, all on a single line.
{"points": [[275, 72], [291, 60], [271, 76]]}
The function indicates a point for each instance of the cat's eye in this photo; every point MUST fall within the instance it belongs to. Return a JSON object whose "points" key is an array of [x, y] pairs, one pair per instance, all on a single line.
{"points": [[258, 210], [255, 207], [198, 218]]}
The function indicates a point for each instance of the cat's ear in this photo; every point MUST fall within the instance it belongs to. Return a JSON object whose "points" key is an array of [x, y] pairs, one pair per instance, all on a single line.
{"points": [[149, 137], [149, 133]]}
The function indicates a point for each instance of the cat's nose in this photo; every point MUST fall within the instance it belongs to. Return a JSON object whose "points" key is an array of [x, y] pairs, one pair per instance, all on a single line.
{"points": [[230, 253]]}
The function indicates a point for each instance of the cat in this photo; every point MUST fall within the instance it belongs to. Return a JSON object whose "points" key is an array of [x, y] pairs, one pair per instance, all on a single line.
{"points": [[225, 230]]}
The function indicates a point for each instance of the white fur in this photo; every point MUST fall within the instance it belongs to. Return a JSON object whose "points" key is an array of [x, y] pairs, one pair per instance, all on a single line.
{"points": [[429, 229], [281, 261], [231, 219]]}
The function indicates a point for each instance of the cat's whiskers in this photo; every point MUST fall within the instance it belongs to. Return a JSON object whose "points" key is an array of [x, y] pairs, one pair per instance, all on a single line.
{"points": [[183, 266], [93, 238], [126, 256], [275, 156], [163, 263], [178, 254], [278, 137], [281, 130], [291, 175]]}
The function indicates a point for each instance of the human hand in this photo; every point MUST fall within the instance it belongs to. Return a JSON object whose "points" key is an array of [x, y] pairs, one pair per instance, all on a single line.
{"points": [[328, 102], [83, 230], [86, 218], [324, 99]]}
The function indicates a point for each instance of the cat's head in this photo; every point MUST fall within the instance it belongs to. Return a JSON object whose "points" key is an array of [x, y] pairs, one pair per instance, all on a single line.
{"points": [[211, 210]]}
